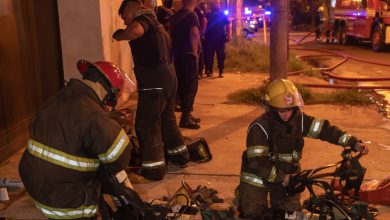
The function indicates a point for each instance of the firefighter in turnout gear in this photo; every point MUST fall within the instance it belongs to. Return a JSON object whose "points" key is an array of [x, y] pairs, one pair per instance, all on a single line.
{"points": [[71, 139], [155, 124], [274, 147]]}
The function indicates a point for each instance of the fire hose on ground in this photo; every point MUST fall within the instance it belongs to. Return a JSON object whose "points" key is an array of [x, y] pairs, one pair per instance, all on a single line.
{"points": [[327, 71]]}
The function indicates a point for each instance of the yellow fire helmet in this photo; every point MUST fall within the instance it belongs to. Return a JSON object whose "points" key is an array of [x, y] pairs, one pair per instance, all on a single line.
{"points": [[282, 94]]}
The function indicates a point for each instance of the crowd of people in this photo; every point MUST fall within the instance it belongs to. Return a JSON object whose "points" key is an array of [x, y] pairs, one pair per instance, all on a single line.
{"points": [[214, 30], [196, 34], [76, 152]]}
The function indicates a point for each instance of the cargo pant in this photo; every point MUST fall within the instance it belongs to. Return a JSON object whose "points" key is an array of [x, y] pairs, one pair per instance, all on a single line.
{"points": [[187, 75]]}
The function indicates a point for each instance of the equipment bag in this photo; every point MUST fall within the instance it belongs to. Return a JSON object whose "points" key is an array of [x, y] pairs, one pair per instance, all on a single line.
{"points": [[376, 191], [199, 149]]}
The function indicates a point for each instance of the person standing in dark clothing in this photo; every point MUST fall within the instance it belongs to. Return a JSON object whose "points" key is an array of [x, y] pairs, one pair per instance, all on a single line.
{"points": [[200, 11], [217, 34], [164, 13], [317, 24], [155, 124], [185, 44]]}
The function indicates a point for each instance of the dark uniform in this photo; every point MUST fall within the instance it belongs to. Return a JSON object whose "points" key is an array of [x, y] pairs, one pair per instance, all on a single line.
{"points": [[215, 40], [201, 15], [155, 123], [186, 64], [274, 149], [164, 14], [70, 137]]}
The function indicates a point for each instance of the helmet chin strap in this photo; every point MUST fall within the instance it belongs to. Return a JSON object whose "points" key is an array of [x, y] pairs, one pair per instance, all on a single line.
{"points": [[110, 99]]}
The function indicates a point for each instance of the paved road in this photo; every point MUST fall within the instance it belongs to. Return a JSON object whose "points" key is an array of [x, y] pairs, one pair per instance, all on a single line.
{"points": [[352, 68]]}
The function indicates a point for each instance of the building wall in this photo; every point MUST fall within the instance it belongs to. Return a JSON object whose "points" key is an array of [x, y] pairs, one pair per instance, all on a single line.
{"points": [[86, 27], [116, 51]]}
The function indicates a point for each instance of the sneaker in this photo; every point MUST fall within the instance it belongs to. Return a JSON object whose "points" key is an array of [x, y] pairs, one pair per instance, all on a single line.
{"points": [[188, 123], [220, 73]]}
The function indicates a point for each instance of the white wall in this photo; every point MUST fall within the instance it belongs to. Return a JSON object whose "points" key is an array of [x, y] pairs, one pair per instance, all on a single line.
{"points": [[86, 27]]}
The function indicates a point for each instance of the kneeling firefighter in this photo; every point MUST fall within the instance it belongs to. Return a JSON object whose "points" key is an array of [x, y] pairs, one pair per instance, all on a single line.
{"points": [[74, 144], [274, 147]]}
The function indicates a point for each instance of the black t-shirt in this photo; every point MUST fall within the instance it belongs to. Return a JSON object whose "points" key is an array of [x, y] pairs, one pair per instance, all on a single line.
{"points": [[199, 12], [216, 22], [181, 24]]}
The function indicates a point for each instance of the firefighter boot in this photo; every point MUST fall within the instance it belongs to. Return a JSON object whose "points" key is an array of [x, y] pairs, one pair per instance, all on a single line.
{"points": [[155, 174], [180, 159], [187, 122]]}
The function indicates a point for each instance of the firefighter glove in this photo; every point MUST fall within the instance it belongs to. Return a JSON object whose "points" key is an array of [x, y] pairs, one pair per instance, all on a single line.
{"points": [[206, 195], [359, 146]]}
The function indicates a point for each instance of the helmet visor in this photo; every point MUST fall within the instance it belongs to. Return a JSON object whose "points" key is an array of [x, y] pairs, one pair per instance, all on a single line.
{"points": [[128, 89]]}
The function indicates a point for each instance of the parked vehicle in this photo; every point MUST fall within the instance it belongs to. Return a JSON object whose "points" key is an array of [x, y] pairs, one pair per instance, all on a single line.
{"points": [[257, 16], [365, 20], [248, 27]]}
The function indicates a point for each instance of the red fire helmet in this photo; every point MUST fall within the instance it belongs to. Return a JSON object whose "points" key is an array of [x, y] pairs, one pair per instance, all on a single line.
{"points": [[113, 74]]}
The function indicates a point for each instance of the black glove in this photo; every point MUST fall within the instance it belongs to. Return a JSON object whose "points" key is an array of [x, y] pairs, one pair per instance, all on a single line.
{"points": [[206, 195], [297, 183], [115, 35]]}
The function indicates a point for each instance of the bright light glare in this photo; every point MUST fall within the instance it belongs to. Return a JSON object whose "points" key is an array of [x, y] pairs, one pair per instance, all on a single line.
{"points": [[226, 12], [267, 12], [247, 11]]}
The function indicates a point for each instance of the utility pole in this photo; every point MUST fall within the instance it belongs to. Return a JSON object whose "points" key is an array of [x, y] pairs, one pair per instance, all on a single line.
{"points": [[279, 39], [237, 5]]}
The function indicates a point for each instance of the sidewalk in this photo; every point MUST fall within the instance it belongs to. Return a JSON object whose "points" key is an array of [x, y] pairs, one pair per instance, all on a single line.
{"points": [[224, 127]]}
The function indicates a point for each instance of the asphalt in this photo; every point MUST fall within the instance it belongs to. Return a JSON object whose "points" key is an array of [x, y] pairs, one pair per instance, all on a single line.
{"points": [[224, 126]]}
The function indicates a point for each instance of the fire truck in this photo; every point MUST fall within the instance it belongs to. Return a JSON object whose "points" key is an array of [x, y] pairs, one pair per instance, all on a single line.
{"points": [[362, 20]]}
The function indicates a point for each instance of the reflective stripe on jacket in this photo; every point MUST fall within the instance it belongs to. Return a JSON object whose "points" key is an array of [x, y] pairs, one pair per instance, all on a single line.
{"points": [[78, 163], [60, 158], [61, 213]]}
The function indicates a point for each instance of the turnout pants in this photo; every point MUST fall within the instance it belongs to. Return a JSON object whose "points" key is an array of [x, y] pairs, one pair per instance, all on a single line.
{"points": [[156, 127], [253, 202]]}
